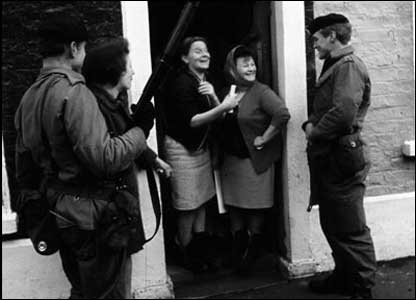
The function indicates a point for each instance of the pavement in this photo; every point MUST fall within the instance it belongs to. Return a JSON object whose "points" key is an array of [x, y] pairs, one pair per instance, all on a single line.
{"points": [[394, 280]]}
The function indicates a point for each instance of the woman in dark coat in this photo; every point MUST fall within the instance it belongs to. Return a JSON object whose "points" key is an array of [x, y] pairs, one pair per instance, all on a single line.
{"points": [[190, 106], [108, 73], [252, 144]]}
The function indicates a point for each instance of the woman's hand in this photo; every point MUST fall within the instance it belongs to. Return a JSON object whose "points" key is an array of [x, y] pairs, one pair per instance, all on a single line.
{"points": [[230, 102], [259, 142], [163, 168], [206, 88]]}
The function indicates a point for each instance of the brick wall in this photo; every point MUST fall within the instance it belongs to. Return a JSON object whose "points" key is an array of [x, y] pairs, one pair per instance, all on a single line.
{"points": [[20, 58], [383, 38]]}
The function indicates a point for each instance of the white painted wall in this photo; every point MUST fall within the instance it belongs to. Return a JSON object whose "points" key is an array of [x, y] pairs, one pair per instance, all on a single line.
{"points": [[8, 217], [288, 36], [150, 278]]}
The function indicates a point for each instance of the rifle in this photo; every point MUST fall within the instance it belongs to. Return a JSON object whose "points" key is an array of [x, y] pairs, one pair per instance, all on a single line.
{"points": [[176, 37]]}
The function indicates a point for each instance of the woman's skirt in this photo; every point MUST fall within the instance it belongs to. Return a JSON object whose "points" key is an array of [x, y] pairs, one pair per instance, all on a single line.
{"points": [[242, 187], [192, 182]]}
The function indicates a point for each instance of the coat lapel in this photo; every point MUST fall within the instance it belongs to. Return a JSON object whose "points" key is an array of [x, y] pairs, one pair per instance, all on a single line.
{"points": [[243, 104], [342, 52], [328, 73]]}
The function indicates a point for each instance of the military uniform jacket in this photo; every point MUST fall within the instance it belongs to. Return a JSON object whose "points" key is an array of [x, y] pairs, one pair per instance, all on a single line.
{"points": [[75, 146], [341, 99], [340, 104]]}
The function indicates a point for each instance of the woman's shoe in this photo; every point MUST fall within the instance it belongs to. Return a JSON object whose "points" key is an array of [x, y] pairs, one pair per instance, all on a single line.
{"points": [[195, 253], [208, 251]]}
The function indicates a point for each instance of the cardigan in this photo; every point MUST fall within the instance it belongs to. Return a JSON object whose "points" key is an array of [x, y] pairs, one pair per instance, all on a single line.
{"points": [[259, 108]]}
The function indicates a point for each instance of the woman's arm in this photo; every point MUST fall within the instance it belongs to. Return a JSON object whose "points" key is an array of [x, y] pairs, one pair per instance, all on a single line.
{"points": [[275, 107], [211, 115], [269, 134]]}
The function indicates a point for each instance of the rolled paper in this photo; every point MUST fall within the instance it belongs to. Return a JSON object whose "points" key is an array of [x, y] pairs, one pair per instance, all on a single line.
{"points": [[218, 189], [232, 94]]}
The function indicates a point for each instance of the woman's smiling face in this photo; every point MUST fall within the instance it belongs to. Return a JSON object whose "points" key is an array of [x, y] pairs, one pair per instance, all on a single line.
{"points": [[246, 67], [198, 57]]}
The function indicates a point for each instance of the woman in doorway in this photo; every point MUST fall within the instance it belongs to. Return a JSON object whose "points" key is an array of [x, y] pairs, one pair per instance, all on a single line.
{"points": [[189, 109], [251, 143], [108, 73]]}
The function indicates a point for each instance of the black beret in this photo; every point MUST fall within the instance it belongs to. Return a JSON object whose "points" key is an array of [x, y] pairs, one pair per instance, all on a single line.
{"points": [[64, 28], [327, 20]]}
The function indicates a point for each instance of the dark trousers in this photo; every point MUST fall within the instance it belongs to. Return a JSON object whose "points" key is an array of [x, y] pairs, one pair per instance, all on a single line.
{"points": [[92, 272], [354, 256]]}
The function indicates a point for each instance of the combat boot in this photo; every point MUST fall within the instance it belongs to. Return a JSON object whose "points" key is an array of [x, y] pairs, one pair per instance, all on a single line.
{"points": [[363, 293], [331, 284]]}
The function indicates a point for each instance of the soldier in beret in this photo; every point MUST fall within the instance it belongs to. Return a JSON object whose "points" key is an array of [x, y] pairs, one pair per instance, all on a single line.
{"points": [[65, 149], [337, 158]]}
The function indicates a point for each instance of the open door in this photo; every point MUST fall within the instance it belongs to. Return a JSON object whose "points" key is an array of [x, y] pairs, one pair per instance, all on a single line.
{"points": [[225, 25]]}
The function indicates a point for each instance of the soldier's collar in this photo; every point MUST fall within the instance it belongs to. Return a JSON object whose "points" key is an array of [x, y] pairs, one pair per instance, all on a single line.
{"points": [[73, 77], [343, 56], [342, 52]]}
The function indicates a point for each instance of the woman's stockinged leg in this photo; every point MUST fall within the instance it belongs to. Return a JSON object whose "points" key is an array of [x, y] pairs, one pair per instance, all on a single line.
{"points": [[255, 227], [236, 219], [192, 237], [185, 223], [256, 221], [240, 236], [199, 220]]}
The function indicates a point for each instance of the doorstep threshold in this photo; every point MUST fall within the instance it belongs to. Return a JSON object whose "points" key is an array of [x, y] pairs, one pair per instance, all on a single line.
{"points": [[224, 281]]}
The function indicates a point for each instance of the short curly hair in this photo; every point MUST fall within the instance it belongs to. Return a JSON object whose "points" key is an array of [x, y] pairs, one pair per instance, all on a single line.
{"points": [[106, 63], [187, 44]]}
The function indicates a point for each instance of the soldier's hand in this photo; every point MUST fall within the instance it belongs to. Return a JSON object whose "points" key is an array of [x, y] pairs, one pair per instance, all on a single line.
{"points": [[144, 117], [308, 130]]}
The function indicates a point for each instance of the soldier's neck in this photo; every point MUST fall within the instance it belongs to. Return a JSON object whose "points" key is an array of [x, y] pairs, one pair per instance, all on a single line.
{"points": [[56, 62], [337, 47]]}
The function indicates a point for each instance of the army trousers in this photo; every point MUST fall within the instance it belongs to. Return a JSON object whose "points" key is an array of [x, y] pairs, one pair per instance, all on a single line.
{"points": [[354, 257], [93, 272]]}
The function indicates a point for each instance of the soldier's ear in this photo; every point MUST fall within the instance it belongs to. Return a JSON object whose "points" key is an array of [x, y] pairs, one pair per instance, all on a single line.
{"points": [[73, 49], [333, 36]]}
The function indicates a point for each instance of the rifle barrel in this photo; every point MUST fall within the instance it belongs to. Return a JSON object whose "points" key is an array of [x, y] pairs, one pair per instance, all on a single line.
{"points": [[176, 36]]}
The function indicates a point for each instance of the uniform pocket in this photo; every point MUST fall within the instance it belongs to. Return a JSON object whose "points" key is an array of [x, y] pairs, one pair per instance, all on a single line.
{"points": [[349, 155], [80, 211]]}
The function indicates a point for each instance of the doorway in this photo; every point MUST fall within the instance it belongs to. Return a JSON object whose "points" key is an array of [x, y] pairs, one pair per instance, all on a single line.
{"points": [[224, 25]]}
